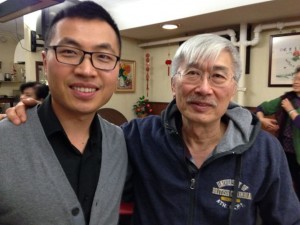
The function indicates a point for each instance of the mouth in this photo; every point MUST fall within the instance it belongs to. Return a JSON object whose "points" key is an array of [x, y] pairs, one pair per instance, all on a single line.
{"points": [[84, 89], [200, 104], [203, 103]]}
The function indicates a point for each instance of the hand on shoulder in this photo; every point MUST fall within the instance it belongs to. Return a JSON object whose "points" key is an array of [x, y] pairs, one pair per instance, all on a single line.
{"points": [[2, 116], [17, 114]]}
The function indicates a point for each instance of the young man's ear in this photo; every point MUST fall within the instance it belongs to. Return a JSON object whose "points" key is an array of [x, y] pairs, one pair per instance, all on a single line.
{"points": [[44, 56]]}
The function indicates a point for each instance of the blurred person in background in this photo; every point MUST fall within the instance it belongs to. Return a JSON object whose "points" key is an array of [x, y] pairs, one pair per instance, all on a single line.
{"points": [[27, 90], [286, 125], [41, 91], [31, 89]]}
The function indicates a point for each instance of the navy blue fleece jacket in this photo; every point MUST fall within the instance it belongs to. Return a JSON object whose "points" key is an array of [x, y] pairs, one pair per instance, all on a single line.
{"points": [[168, 190]]}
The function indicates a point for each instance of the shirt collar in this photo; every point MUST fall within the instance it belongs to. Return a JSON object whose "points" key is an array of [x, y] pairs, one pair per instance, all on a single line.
{"points": [[46, 114]]}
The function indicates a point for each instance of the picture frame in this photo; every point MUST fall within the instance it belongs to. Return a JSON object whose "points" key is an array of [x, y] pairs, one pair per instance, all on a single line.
{"points": [[39, 71], [126, 76], [284, 57]]}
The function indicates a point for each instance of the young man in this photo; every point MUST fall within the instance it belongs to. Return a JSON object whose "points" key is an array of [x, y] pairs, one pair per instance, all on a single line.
{"points": [[67, 165], [206, 161]]}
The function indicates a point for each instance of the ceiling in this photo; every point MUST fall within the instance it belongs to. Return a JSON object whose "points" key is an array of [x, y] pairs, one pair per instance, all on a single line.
{"points": [[267, 12], [144, 24]]}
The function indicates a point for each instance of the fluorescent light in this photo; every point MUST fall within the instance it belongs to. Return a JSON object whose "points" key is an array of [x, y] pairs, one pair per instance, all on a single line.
{"points": [[1, 1], [170, 26]]}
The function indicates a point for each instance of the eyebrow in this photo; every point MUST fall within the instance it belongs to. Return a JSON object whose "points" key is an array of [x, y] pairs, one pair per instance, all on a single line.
{"points": [[102, 46], [214, 68], [222, 68]]}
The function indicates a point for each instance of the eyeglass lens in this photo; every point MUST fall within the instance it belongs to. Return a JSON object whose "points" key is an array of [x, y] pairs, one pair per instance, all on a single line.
{"points": [[74, 56], [216, 78]]}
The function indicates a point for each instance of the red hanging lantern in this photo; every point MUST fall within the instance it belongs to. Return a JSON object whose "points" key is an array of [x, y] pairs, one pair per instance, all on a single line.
{"points": [[147, 71], [168, 63]]}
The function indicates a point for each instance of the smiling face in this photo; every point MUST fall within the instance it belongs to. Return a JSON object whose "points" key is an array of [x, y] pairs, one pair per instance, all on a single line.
{"points": [[81, 89], [201, 103]]}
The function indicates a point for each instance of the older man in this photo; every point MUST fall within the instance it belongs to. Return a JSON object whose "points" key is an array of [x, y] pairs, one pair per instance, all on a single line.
{"points": [[206, 160]]}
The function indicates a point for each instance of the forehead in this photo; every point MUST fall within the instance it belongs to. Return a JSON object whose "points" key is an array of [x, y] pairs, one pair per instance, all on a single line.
{"points": [[85, 33], [220, 61]]}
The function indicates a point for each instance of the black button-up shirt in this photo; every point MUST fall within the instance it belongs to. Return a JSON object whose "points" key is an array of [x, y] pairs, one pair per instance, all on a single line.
{"points": [[81, 169]]}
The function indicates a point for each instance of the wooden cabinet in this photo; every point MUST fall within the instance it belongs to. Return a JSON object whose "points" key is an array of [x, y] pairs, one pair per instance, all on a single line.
{"points": [[9, 100], [9, 85], [10, 82]]}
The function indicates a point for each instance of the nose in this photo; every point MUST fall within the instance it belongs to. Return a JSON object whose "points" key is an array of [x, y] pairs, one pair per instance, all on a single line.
{"points": [[203, 85], [86, 65]]}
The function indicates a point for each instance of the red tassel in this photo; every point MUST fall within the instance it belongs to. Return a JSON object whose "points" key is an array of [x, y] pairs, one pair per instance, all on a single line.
{"points": [[147, 71]]}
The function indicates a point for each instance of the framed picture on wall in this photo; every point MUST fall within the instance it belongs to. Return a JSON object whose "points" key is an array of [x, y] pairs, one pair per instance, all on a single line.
{"points": [[284, 57], [126, 77], [39, 71]]}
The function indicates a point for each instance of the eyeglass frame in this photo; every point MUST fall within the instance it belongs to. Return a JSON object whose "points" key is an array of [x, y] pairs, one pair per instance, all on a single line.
{"points": [[54, 47], [201, 77]]}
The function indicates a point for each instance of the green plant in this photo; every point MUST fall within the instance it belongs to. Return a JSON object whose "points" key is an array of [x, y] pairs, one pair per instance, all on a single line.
{"points": [[142, 107]]}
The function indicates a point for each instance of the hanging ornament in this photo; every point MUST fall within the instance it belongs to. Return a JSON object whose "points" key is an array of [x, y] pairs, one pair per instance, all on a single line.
{"points": [[168, 63], [147, 71], [13, 73]]}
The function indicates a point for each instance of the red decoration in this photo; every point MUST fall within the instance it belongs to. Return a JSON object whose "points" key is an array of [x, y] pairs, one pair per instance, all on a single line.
{"points": [[147, 71], [168, 63]]}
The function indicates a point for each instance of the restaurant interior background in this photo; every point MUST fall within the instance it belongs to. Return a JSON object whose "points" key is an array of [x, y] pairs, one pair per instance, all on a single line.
{"points": [[266, 33]]}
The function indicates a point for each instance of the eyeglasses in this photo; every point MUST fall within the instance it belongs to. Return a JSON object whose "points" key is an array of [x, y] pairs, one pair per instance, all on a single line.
{"points": [[218, 78], [74, 56]]}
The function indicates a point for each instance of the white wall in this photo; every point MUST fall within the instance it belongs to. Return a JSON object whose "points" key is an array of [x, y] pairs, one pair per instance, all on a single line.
{"points": [[7, 54], [257, 81], [159, 82], [7, 50], [31, 57], [124, 101]]}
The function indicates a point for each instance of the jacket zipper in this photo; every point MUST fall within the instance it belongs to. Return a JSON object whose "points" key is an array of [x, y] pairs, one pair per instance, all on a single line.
{"points": [[192, 185], [192, 205]]}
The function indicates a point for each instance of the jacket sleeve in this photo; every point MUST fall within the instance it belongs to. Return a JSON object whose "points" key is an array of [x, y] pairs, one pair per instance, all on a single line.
{"points": [[270, 107], [280, 204], [296, 121], [128, 195]]}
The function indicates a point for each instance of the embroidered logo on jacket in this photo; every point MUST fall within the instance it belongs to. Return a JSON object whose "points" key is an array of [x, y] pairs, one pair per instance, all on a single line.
{"points": [[224, 189]]}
